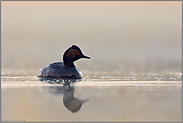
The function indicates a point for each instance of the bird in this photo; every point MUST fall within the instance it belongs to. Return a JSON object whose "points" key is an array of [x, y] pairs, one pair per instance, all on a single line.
{"points": [[65, 69]]}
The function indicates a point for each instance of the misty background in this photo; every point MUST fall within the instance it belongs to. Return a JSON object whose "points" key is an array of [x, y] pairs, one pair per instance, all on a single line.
{"points": [[120, 36]]}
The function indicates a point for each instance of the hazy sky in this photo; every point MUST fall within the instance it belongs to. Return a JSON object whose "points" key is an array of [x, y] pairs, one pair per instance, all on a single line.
{"points": [[115, 34]]}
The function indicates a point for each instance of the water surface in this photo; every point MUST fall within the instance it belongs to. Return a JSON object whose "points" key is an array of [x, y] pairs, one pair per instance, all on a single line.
{"points": [[96, 98]]}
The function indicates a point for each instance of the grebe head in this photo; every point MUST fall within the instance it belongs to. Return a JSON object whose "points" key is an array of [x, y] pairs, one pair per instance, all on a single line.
{"points": [[72, 54]]}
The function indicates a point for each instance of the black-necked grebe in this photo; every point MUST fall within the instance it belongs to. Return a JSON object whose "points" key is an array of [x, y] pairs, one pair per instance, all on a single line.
{"points": [[65, 69]]}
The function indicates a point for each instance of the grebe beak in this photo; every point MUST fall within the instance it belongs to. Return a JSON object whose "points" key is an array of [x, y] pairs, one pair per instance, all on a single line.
{"points": [[83, 56]]}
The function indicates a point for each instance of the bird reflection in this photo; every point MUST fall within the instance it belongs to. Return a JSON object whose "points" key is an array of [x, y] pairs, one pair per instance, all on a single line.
{"points": [[70, 102]]}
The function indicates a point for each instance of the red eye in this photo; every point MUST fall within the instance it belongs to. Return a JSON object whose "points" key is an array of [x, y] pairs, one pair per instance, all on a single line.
{"points": [[78, 53]]}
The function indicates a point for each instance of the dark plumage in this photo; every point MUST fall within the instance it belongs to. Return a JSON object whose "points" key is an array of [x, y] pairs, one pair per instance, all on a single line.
{"points": [[65, 69]]}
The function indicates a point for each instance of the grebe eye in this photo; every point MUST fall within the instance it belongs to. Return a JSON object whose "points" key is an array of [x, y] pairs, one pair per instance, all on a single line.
{"points": [[78, 53]]}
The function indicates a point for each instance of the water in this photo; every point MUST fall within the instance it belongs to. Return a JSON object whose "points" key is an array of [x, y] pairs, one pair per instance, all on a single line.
{"points": [[134, 73], [153, 97]]}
